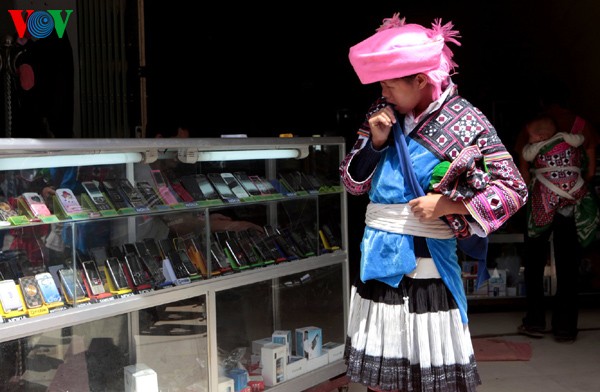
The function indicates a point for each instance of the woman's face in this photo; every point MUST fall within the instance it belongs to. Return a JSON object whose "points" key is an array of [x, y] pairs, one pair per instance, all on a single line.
{"points": [[403, 94]]}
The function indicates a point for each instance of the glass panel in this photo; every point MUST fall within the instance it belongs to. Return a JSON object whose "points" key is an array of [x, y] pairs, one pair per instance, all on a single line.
{"points": [[247, 316]]}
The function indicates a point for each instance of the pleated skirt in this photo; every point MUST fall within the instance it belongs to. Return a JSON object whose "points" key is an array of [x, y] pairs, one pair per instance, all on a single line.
{"points": [[409, 338]]}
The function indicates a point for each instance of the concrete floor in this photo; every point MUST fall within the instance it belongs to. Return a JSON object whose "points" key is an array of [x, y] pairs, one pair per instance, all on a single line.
{"points": [[554, 367]]}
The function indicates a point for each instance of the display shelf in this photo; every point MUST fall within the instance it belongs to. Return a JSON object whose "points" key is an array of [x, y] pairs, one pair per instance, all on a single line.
{"points": [[132, 325]]}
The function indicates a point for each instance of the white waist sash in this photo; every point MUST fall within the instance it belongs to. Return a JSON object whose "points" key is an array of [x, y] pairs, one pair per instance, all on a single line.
{"points": [[399, 219]]}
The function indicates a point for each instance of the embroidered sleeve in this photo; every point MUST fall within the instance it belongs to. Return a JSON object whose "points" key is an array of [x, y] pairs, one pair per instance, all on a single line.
{"points": [[356, 169], [506, 191]]}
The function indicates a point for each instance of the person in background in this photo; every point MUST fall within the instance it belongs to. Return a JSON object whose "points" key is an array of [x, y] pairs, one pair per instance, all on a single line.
{"points": [[561, 205], [408, 325]]}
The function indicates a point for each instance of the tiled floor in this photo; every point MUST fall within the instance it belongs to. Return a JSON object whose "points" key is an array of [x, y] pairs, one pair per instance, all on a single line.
{"points": [[554, 367]]}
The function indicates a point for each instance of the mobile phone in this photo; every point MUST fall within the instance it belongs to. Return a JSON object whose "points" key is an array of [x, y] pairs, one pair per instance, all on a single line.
{"points": [[93, 191], [289, 183], [177, 264], [209, 191], [180, 190], [247, 247], [264, 186], [218, 256], [235, 186], [305, 183], [152, 247], [187, 262], [334, 243], [36, 204], [152, 263], [163, 188], [112, 191], [148, 192], [131, 194], [314, 181], [68, 201], [6, 211], [9, 296], [129, 247], [191, 186], [236, 252], [92, 275], [196, 256], [31, 292], [47, 287], [115, 271], [247, 183], [71, 285], [221, 186], [7, 272], [136, 270], [165, 245]]}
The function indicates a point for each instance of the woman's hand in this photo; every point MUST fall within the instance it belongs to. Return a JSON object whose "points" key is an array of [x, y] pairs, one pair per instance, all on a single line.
{"points": [[435, 205], [381, 124]]}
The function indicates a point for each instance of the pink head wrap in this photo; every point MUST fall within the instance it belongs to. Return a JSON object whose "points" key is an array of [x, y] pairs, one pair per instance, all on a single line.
{"points": [[398, 49]]}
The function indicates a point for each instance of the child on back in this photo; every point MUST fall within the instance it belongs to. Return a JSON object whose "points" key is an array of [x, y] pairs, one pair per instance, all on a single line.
{"points": [[555, 166]]}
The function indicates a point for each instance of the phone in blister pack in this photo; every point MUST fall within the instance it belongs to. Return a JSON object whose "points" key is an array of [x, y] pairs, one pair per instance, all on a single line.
{"points": [[31, 292], [132, 195], [247, 183], [36, 204], [9, 296], [47, 287], [116, 274], [71, 285], [191, 186], [68, 201], [207, 189], [263, 185]]}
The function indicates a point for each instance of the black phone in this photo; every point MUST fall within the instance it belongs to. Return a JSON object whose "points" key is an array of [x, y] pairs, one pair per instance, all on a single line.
{"points": [[131, 194], [236, 187], [247, 183], [152, 247], [236, 252], [177, 264], [111, 188], [191, 186], [187, 262], [165, 245], [247, 247], [152, 262], [149, 193], [136, 270], [221, 186], [209, 191], [115, 271]]}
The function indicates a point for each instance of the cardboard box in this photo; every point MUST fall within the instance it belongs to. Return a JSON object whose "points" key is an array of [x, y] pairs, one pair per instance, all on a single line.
{"points": [[497, 283], [140, 378], [274, 361], [295, 367], [309, 341], [239, 377], [226, 384], [283, 337], [317, 363], [335, 351], [257, 344]]}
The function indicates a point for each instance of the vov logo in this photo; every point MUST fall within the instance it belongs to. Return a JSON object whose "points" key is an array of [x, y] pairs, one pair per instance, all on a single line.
{"points": [[40, 24]]}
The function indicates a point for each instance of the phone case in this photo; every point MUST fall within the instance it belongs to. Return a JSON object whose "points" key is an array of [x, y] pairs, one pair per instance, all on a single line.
{"points": [[31, 292], [47, 287], [6, 211], [235, 186], [93, 191], [68, 201], [36, 204], [92, 275], [71, 286], [9, 296]]}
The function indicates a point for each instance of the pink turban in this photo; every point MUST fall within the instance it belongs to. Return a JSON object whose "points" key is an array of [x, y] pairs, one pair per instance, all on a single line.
{"points": [[398, 49]]}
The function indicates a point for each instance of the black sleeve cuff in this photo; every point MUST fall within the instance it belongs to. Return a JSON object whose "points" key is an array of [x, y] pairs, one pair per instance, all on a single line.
{"points": [[364, 162]]}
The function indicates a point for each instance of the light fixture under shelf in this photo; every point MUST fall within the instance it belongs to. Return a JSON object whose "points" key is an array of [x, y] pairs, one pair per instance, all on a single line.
{"points": [[36, 162], [191, 156]]}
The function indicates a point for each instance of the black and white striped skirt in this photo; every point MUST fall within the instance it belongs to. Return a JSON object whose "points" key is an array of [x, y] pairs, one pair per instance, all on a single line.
{"points": [[409, 338]]}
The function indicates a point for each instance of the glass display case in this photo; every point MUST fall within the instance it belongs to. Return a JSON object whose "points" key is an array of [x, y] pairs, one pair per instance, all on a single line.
{"points": [[172, 264]]}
